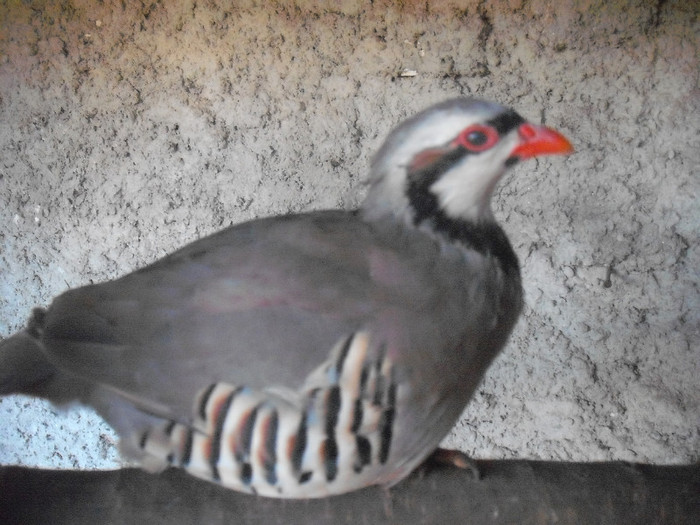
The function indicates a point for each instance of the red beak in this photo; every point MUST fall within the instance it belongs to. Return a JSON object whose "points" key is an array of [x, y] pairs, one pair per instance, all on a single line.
{"points": [[540, 140]]}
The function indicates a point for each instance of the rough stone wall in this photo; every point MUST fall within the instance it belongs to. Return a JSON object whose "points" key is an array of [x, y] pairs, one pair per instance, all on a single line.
{"points": [[128, 129]]}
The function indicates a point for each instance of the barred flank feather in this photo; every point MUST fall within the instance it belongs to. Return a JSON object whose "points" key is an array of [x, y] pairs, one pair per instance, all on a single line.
{"points": [[319, 441]]}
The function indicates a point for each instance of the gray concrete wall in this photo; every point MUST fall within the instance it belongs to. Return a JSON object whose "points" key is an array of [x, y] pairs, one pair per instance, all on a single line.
{"points": [[127, 130]]}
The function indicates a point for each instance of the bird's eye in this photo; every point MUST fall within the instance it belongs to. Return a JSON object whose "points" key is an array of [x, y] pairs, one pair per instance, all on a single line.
{"points": [[478, 138]]}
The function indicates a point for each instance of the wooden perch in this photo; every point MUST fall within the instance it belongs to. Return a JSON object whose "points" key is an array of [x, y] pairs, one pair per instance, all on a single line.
{"points": [[508, 492]]}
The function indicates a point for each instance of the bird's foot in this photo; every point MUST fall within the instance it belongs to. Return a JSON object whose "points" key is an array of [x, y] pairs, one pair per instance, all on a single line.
{"points": [[454, 458]]}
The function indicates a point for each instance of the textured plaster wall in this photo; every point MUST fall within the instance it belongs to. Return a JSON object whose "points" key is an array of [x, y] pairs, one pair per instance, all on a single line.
{"points": [[127, 130]]}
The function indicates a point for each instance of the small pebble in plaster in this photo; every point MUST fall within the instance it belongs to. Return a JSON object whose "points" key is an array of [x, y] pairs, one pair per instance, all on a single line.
{"points": [[607, 283]]}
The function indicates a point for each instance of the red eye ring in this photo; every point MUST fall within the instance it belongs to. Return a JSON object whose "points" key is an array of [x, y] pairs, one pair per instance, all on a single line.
{"points": [[478, 138]]}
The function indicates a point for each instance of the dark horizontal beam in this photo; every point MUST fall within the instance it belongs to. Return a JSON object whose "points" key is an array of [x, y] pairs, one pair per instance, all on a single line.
{"points": [[508, 492]]}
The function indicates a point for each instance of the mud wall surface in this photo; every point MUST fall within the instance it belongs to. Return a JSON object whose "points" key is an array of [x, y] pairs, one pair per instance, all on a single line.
{"points": [[128, 129]]}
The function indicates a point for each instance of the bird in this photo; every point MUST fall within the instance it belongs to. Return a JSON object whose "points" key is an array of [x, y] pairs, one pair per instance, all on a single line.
{"points": [[310, 354]]}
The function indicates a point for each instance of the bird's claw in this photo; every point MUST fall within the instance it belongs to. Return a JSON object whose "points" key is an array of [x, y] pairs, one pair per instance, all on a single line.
{"points": [[452, 458]]}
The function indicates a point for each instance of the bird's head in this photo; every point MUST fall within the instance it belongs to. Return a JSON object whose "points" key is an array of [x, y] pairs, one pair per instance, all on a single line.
{"points": [[443, 163]]}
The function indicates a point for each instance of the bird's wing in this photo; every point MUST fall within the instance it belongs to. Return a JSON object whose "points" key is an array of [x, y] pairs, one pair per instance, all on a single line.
{"points": [[259, 304]]}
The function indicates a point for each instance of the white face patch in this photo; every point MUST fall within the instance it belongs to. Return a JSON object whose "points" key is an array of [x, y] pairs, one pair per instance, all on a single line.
{"points": [[464, 192]]}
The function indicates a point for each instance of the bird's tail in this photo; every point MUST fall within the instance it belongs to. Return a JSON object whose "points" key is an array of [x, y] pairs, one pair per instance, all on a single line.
{"points": [[24, 368]]}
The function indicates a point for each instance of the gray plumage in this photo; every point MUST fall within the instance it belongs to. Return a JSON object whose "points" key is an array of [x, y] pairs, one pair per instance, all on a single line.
{"points": [[420, 283]]}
